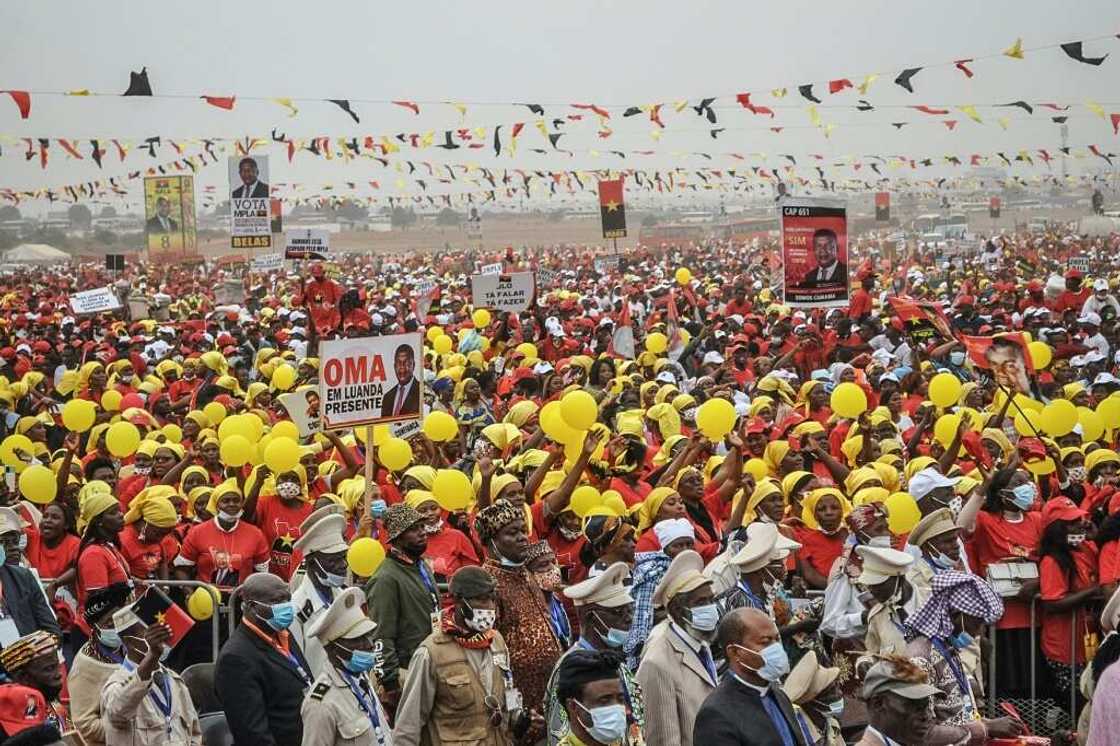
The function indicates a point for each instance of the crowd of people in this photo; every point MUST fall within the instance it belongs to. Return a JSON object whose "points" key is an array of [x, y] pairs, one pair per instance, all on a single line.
{"points": [[805, 577]]}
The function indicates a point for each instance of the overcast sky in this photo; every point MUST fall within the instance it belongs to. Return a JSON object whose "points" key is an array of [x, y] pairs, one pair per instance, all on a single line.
{"points": [[611, 53]]}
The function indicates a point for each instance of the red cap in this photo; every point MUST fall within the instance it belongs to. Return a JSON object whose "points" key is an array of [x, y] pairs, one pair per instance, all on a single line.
{"points": [[1060, 508], [965, 300], [1074, 274], [41, 346], [21, 707]]}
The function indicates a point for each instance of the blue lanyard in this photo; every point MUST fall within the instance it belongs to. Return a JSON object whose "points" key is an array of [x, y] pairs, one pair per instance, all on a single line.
{"points": [[958, 672], [163, 703], [752, 599], [366, 703], [113, 655], [428, 582]]}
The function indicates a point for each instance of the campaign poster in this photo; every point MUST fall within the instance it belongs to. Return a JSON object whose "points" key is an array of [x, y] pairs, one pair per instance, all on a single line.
{"points": [[267, 262], [883, 207], [491, 269], [307, 243], [370, 380], [814, 252], [302, 406], [1079, 263], [170, 223], [612, 208], [1007, 358], [606, 264], [512, 292], [250, 225], [923, 320], [94, 301]]}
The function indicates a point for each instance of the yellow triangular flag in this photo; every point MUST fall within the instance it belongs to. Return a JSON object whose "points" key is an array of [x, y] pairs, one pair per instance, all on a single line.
{"points": [[867, 81], [778, 92], [388, 146], [828, 129], [970, 111], [428, 139], [655, 134], [679, 106], [814, 116], [78, 92], [1003, 122], [287, 104], [1096, 108], [1015, 51], [461, 108]]}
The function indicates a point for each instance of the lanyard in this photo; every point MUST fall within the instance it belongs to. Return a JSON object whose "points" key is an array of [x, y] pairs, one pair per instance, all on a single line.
{"points": [[161, 698], [752, 599], [428, 582], [366, 703], [958, 673], [276, 646]]}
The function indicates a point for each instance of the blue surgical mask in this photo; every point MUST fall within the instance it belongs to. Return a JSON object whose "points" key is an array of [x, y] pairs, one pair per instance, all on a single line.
{"points": [[836, 709], [705, 618], [961, 640], [608, 723], [360, 661], [331, 579], [3, 554], [775, 661], [1024, 495], [940, 561], [614, 638], [109, 638], [956, 358], [281, 615]]}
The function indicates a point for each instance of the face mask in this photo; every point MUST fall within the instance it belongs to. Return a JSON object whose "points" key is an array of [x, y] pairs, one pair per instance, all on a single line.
{"points": [[142, 470], [705, 618], [956, 358], [3, 555], [281, 615], [359, 661], [502, 559], [22, 543], [836, 709], [775, 340], [879, 541], [569, 534], [479, 620], [1075, 539], [289, 490], [961, 640], [1077, 474], [775, 662], [1023, 496], [225, 517], [689, 414], [608, 723], [330, 579], [940, 561], [614, 637], [109, 638], [549, 580], [433, 529]]}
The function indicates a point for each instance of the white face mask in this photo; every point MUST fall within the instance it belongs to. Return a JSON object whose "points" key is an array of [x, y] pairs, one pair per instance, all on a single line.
{"points": [[879, 541], [225, 517], [288, 490], [480, 620], [1077, 474]]}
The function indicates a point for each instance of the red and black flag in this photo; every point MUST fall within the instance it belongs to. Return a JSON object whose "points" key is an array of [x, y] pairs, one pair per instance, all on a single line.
{"points": [[612, 209], [154, 607], [882, 206], [993, 207]]}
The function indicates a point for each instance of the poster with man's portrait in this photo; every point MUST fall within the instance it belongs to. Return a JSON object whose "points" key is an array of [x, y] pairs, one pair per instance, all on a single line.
{"points": [[169, 217], [250, 207], [1007, 358], [814, 252], [302, 406]]}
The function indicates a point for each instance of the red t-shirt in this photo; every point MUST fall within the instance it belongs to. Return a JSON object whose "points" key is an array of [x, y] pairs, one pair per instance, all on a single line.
{"points": [[1109, 567], [145, 558], [99, 565], [52, 562], [860, 304], [630, 495], [225, 558], [818, 549], [280, 526], [997, 540], [1056, 627], [567, 552], [449, 550], [129, 488]]}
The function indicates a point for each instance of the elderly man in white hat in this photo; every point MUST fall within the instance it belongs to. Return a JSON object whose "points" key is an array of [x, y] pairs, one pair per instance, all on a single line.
{"points": [[324, 578], [816, 699], [935, 544], [760, 566], [677, 671], [341, 708], [883, 576], [606, 609]]}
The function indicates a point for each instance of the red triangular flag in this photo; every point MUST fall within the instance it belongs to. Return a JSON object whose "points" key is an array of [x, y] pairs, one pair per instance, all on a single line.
{"points": [[950, 123], [961, 65], [930, 110], [23, 101], [1115, 123], [222, 102], [411, 106], [835, 86]]}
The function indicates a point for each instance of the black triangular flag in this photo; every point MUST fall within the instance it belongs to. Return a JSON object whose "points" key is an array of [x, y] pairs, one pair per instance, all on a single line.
{"points": [[705, 109], [555, 138], [715, 132], [151, 143], [96, 152], [1022, 105], [904, 77], [1073, 49], [138, 84], [497, 140], [447, 143], [899, 125], [632, 111], [807, 92], [536, 109], [1059, 120], [345, 106]]}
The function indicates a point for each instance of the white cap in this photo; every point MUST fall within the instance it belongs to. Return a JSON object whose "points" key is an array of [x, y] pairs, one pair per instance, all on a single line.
{"points": [[712, 357], [609, 589], [671, 529], [927, 480], [345, 619], [665, 377], [1100, 284], [881, 564], [9, 521], [1089, 318], [1103, 378], [324, 535], [124, 618], [685, 574]]}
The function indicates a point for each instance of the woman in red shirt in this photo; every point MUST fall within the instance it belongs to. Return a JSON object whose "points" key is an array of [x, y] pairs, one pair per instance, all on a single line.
{"points": [[279, 513], [100, 562], [1069, 590], [448, 547], [226, 550], [1000, 527], [822, 536], [147, 541]]}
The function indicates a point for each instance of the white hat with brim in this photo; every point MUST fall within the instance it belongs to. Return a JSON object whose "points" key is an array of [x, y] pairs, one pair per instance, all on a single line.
{"points": [[685, 574]]}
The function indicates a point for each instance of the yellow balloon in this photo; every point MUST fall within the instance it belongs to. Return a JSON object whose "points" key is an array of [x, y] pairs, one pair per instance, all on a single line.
{"points": [[284, 377], [528, 349], [364, 556], [111, 400], [614, 501], [1041, 354], [440, 427], [281, 455], [122, 438], [237, 424], [235, 450], [452, 490], [78, 415], [200, 604], [944, 389], [1109, 410], [683, 276], [443, 344], [579, 409], [757, 468], [657, 343], [946, 428], [1092, 424], [485, 342], [902, 513], [38, 484], [848, 400], [12, 446], [395, 454], [584, 498], [215, 412], [715, 418], [553, 424], [173, 432], [433, 333], [1028, 423], [481, 318], [285, 429], [1059, 417]]}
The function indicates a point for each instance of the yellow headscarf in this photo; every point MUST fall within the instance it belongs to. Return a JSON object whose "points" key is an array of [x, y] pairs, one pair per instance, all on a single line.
{"points": [[764, 489], [94, 498], [857, 478], [647, 513], [153, 504], [192, 498], [851, 448], [422, 473], [667, 418], [776, 450], [888, 474], [809, 506], [191, 471], [663, 456], [223, 489], [791, 481], [998, 437], [520, 412], [416, 498]]}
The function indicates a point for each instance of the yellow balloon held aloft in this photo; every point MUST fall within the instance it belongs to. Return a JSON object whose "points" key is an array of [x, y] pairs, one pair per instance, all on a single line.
{"points": [[433, 333], [1059, 417], [235, 451], [584, 499], [1029, 423], [200, 604], [122, 438], [1092, 424], [553, 424], [285, 429], [715, 418], [173, 432], [579, 410], [111, 400], [38, 484], [1041, 355], [945, 429], [215, 412], [440, 427], [395, 454], [657, 343], [683, 276], [452, 490], [364, 556], [238, 424], [481, 318], [281, 455], [944, 389], [78, 415], [902, 513], [848, 400], [528, 349], [443, 344], [757, 468], [284, 377], [1109, 410], [614, 501], [10, 449]]}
